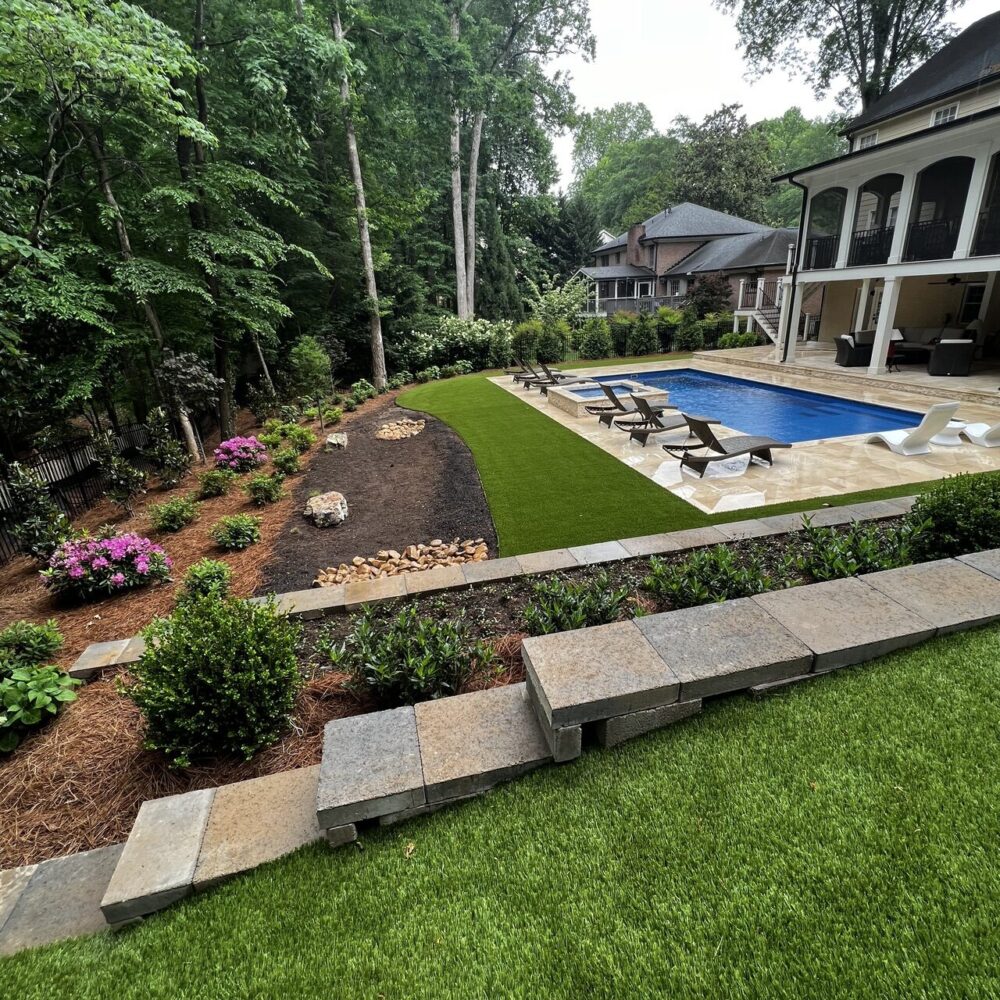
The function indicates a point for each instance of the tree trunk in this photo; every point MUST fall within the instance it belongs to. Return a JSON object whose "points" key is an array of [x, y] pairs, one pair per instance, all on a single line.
{"points": [[364, 236], [190, 442], [470, 216], [263, 363], [461, 278]]}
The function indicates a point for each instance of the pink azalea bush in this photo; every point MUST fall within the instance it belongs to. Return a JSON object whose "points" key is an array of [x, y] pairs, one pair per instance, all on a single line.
{"points": [[240, 454], [95, 567]]}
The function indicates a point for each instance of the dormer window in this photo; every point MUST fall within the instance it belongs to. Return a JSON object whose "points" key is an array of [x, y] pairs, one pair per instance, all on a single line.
{"points": [[868, 139], [944, 115]]}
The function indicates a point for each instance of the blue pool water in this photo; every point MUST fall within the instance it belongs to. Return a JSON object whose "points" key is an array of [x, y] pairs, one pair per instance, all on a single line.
{"points": [[775, 411]]}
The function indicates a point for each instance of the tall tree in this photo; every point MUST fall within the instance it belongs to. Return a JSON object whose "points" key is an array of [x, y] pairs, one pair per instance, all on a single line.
{"points": [[597, 131], [873, 43]]}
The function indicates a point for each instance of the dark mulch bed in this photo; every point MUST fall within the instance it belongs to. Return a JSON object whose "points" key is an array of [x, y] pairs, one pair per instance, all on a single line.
{"points": [[398, 493]]}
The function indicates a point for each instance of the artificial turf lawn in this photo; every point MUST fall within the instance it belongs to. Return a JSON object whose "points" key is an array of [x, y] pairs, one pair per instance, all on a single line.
{"points": [[838, 839], [548, 488]]}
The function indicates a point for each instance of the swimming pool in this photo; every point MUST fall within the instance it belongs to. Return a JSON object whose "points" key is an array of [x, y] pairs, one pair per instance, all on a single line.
{"points": [[775, 411]]}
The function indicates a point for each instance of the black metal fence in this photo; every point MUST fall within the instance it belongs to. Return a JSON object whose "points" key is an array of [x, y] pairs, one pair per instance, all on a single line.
{"points": [[73, 476]]}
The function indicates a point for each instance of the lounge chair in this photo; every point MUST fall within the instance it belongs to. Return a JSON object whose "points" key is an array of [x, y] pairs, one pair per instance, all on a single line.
{"points": [[552, 378], [916, 440], [530, 374], [649, 422], [982, 434], [616, 406], [720, 448]]}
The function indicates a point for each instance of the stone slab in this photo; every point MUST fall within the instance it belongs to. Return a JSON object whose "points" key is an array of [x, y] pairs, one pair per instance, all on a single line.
{"points": [[438, 578], [753, 528], [392, 819], [370, 767], [158, 863], [845, 621], [97, 656], [785, 523], [382, 588], [762, 690], [673, 541], [595, 673], [947, 593], [338, 836], [599, 552], [134, 650], [826, 517], [611, 732], [986, 562], [566, 742], [491, 570], [471, 742], [62, 899], [253, 822], [312, 603], [874, 510], [546, 562], [12, 884], [724, 647]]}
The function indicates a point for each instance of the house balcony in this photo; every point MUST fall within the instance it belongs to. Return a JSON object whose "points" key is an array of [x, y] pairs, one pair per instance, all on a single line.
{"points": [[932, 240], [636, 304], [987, 233], [820, 252], [871, 246]]}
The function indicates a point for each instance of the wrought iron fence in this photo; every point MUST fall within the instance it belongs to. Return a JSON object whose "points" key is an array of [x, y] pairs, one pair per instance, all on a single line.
{"points": [[821, 252], [871, 246], [933, 240]]}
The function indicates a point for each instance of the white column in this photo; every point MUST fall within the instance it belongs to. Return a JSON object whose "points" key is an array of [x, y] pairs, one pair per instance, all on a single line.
{"points": [[847, 225], [736, 323], [739, 300], [886, 321], [793, 332], [973, 204], [597, 297], [906, 195], [782, 315], [984, 306], [859, 320]]}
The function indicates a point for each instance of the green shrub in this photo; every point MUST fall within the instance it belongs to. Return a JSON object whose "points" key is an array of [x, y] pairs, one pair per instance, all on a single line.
{"points": [[553, 343], [39, 525], [264, 489], [262, 400], [332, 415], [644, 338], [595, 339], [173, 514], [524, 342], [350, 406], [620, 325], [238, 531], [25, 644], [458, 368], [215, 483], [29, 697], [206, 578], [288, 413], [667, 321], [714, 574], [735, 339], [285, 433], [426, 375], [689, 336], [217, 677], [122, 482], [559, 606], [300, 438], [169, 457], [400, 379], [958, 515], [309, 369], [363, 390], [409, 658], [829, 554], [286, 461]]}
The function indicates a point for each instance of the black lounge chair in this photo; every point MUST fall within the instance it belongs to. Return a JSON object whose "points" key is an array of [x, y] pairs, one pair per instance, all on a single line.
{"points": [[616, 407], [730, 447], [649, 422], [529, 375], [552, 378]]}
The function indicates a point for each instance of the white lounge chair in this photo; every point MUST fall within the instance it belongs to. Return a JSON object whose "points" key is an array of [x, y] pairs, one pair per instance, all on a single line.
{"points": [[983, 435], [916, 440]]}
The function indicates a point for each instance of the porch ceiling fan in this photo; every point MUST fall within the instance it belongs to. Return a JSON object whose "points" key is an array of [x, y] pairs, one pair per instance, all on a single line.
{"points": [[956, 280]]}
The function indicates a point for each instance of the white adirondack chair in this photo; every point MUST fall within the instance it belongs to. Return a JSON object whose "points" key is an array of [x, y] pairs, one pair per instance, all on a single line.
{"points": [[916, 440]]}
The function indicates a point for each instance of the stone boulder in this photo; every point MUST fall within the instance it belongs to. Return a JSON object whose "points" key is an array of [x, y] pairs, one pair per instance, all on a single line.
{"points": [[335, 441], [327, 510]]}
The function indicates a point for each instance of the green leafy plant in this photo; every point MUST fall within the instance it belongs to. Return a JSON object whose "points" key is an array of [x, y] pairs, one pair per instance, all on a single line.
{"points": [[29, 697], [400, 379], [235, 532], [559, 606], [217, 677], [829, 554], [39, 525], [428, 374], [735, 339], [26, 644], [215, 483], [173, 514], [123, 482], [264, 489], [333, 414], [169, 457], [283, 433], [553, 342], [205, 578], [409, 658], [363, 390], [708, 575], [595, 339], [286, 461], [689, 336], [958, 515], [262, 400], [644, 339]]}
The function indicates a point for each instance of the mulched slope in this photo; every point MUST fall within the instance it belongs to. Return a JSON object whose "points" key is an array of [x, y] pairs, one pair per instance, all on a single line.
{"points": [[398, 493]]}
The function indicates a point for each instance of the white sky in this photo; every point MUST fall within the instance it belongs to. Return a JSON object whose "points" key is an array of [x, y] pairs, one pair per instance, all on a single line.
{"points": [[680, 57]]}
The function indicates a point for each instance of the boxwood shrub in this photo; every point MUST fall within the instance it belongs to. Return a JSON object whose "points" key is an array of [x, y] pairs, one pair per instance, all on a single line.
{"points": [[958, 515]]}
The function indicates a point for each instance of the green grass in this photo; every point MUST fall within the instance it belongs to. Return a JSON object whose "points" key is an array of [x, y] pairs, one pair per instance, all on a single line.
{"points": [[547, 487], [838, 840]]}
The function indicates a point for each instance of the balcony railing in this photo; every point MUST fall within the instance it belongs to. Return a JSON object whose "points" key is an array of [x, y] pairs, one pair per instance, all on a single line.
{"points": [[988, 233], [934, 240], [645, 303], [821, 252], [871, 246]]}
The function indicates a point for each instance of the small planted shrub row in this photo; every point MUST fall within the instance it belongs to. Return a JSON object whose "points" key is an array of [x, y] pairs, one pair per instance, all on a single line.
{"points": [[958, 515], [288, 435], [236, 532], [707, 575], [240, 454], [559, 606], [95, 567], [205, 578], [25, 644], [173, 514], [215, 483], [264, 489]]}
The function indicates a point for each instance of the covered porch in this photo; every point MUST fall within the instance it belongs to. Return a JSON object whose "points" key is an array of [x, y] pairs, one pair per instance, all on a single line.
{"points": [[624, 288]]}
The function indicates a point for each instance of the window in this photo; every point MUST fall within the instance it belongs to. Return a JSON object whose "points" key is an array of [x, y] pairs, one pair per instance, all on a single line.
{"points": [[618, 258], [944, 115], [974, 295], [868, 139], [674, 286]]}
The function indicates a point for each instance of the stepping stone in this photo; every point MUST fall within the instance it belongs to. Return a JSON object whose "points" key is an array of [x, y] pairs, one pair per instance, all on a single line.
{"points": [[316, 602], [491, 569], [947, 593], [61, 899], [547, 562], [673, 541], [12, 884], [877, 509], [611, 732], [439, 578], [158, 863], [827, 517], [596, 673], [133, 651], [845, 621], [370, 767], [785, 523], [599, 552], [471, 742], [986, 562], [382, 588], [97, 656], [717, 648], [253, 822]]}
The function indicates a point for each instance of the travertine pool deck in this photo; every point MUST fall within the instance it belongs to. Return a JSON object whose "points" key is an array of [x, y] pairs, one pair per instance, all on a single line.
{"points": [[811, 469]]}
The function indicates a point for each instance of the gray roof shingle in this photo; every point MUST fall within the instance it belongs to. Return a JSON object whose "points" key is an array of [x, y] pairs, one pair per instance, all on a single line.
{"points": [[616, 271], [688, 221], [744, 252]]}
